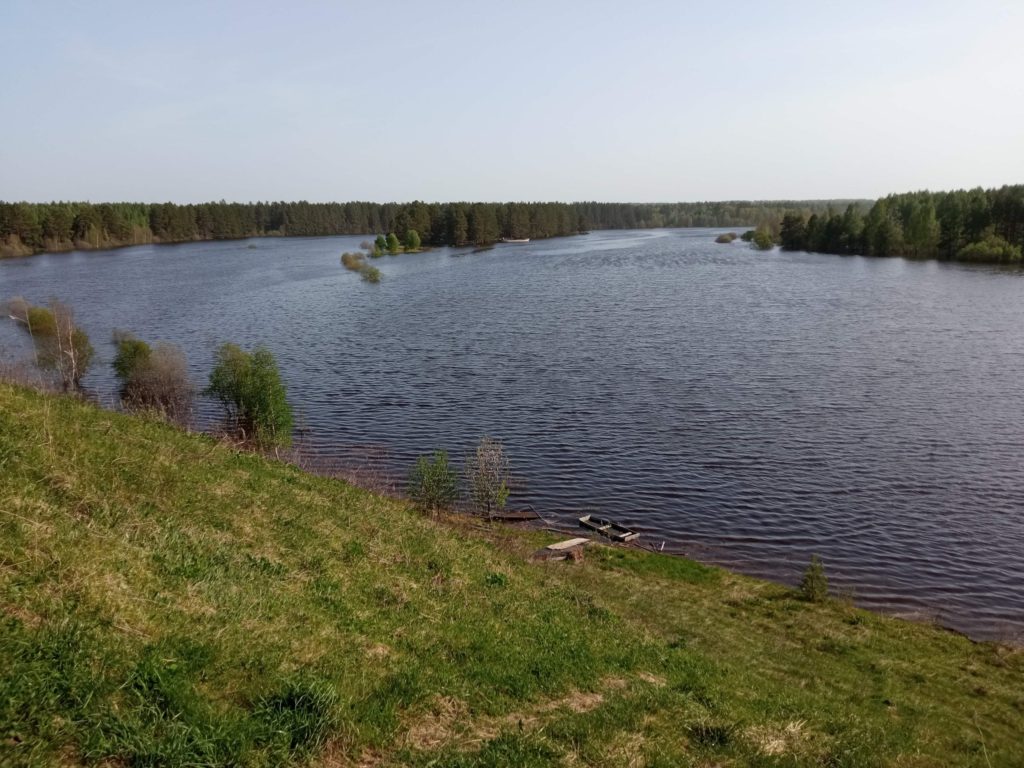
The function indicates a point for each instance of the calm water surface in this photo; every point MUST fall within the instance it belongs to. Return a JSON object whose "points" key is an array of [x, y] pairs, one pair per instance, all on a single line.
{"points": [[750, 409]]}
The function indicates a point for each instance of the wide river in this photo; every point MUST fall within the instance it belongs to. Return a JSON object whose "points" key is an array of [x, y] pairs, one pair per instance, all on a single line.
{"points": [[748, 409]]}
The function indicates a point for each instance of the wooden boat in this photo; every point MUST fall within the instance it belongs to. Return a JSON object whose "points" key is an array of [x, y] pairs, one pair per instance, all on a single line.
{"points": [[607, 528], [515, 515], [515, 239]]}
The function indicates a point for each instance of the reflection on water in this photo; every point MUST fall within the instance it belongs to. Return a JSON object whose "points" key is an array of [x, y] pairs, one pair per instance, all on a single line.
{"points": [[752, 409]]}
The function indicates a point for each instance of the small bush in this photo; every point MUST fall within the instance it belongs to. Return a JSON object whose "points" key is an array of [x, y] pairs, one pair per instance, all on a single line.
{"points": [[353, 261], [370, 274], [747, 236], [763, 240], [993, 249], [249, 387], [433, 482], [392, 243], [814, 585], [725, 238], [487, 475], [132, 354]]}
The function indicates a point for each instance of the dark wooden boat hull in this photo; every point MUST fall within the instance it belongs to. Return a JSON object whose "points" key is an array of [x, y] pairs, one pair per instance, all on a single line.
{"points": [[608, 529], [514, 515]]}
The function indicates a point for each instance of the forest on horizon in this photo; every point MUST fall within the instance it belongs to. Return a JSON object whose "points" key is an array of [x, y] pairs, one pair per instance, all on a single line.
{"points": [[985, 225], [58, 226]]}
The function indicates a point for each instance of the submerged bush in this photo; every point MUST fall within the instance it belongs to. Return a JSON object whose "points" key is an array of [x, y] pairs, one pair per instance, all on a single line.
{"points": [[727, 237], [747, 236], [433, 482], [60, 345], [763, 240], [353, 261], [370, 274], [249, 387], [814, 585], [154, 379]]}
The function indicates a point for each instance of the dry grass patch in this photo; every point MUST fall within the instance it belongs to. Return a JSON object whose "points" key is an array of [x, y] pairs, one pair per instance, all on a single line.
{"points": [[775, 741], [443, 723]]}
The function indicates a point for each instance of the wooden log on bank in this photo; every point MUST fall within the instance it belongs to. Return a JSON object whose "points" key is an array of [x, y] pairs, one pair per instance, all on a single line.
{"points": [[570, 549]]}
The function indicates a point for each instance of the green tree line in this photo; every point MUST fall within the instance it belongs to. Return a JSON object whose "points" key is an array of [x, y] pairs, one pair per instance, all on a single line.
{"points": [[34, 227], [985, 225]]}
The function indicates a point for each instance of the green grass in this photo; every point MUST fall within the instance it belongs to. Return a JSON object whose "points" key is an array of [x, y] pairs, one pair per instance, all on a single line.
{"points": [[165, 600]]}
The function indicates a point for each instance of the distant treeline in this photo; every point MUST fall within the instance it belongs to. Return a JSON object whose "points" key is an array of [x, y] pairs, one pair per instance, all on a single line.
{"points": [[34, 227], [984, 225]]}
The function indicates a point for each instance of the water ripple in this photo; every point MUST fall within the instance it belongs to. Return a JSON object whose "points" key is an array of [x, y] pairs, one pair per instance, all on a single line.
{"points": [[748, 409]]}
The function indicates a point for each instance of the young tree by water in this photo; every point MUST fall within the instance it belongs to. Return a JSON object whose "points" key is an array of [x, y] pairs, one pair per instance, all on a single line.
{"points": [[793, 234], [433, 482], [249, 387], [60, 345], [392, 243], [814, 585], [487, 475], [412, 240]]}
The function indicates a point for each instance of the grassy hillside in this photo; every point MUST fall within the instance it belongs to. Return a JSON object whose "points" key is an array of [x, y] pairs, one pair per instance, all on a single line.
{"points": [[167, 601]]}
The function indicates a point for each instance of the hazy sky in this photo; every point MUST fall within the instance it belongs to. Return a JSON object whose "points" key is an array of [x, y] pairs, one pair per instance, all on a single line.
{"points": [[638, 100]]}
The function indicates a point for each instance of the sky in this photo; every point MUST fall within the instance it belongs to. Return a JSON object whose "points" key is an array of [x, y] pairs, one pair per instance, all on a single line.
{"points": [[642, 101]]}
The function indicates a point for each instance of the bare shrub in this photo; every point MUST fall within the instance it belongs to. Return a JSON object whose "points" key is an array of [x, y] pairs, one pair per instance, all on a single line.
{"points": [[153, 379], [25, 374], [487, 475], [160, 384]]}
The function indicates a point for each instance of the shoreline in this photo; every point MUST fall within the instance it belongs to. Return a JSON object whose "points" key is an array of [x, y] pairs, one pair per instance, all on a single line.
{"points": [[212, 580], [383, 477], [9, 252], [20, 251]]}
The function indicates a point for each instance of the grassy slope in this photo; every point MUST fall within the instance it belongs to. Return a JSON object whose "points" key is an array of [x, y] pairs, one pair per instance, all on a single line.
{"points": [[164, 600]]}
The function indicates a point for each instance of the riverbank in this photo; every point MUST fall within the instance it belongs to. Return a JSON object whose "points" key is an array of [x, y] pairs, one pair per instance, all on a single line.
{"points": [[13, 248], [166, 598]]}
